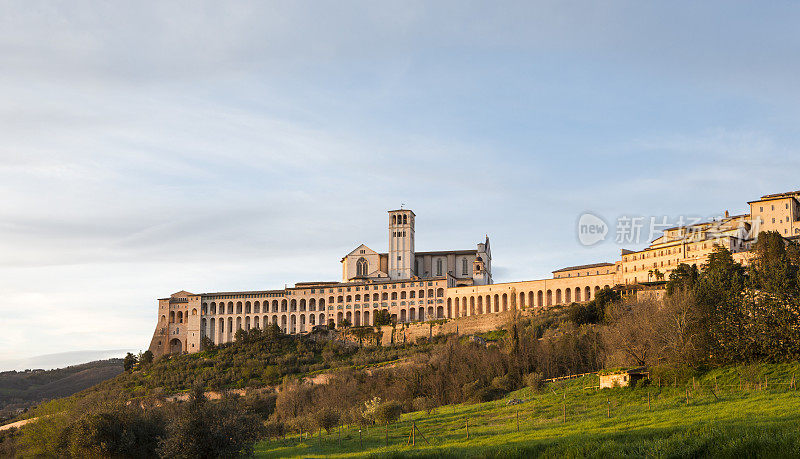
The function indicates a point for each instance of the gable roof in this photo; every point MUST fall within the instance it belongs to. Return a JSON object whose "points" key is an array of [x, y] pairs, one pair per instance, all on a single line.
{"points": [[361, 246]]}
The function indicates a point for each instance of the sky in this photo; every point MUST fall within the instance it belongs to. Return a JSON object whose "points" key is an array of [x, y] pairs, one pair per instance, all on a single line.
{"points": [[150, 147]]}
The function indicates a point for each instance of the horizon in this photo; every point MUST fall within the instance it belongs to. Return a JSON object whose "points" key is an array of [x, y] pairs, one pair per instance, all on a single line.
{"points": [[153, 148]]}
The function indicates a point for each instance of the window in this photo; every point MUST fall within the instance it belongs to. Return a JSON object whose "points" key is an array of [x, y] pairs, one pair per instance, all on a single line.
{"points": [[439, 267], [362, 267], [464, 267]]}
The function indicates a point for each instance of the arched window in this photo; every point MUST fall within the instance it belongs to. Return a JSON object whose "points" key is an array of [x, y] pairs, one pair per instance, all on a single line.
{"points": [[362, 267]]}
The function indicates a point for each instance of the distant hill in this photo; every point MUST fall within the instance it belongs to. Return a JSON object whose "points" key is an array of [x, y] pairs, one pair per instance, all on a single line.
{"points": [[22, 389]]}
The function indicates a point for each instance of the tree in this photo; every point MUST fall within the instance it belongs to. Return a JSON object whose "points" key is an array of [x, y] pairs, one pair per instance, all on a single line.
{"points": [[683, 277], [383, 317], [146, 358], [209, 430], [327, 419], [344, 323], [129, 362]]}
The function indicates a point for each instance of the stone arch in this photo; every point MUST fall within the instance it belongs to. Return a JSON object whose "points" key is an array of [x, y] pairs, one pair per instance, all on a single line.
{"points": [[180, 317], [248, 308], [339, 318], [293, 305], [549, 297], [366, 318], [257, 307], [496, 302], [505, 302], [213, 307], [588, 291], [175, 346], [577, 294], [412, 314], [238, 307], [172, 317], [293, 323], [568, 295], [284, 323], [472, 305], [480, 304], [558, 296], [321, 319], [357, 319], [440, 312], [302, 323], [247, 323], [284, 305], [274, 305], [302, 305], [421, 317], [522, 300], [402, 315], [256, 322]]}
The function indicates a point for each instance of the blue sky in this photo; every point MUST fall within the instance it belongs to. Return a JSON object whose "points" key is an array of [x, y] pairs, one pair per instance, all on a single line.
{"points": [[149, 147]]}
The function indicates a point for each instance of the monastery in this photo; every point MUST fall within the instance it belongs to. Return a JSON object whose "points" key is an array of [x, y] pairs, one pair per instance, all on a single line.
{"points": [[418, 286]]}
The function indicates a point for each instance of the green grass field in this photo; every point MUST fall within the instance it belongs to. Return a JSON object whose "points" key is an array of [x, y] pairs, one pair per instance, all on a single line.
{"points": [[731, 413]]}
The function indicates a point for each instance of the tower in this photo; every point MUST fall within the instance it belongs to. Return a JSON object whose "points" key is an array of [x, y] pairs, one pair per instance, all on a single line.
{"points": [[401, 244]]}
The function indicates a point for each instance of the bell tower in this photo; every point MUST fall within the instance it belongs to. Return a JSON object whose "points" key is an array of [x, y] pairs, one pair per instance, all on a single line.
{"points": [[401, 244]]}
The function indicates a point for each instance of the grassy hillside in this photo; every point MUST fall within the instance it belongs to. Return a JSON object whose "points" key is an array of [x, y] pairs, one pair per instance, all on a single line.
{"points": [[731, 412], [21, 389]]}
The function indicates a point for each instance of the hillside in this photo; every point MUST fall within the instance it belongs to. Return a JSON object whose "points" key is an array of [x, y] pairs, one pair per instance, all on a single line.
{"points": [[744, 411], [22, 389]]}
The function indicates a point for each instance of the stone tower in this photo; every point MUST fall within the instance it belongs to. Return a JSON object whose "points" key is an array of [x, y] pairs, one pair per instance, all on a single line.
{"points": [[401, 244]]}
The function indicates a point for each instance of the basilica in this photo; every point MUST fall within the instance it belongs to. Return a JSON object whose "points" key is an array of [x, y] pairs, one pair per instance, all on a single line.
{"points": [[419, 286]]}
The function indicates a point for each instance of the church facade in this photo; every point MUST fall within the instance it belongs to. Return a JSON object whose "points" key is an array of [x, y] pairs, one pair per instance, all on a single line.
{"points": [[418, 286]]}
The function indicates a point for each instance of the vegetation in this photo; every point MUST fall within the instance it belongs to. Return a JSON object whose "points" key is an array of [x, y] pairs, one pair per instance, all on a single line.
{"points": [[20, 390], [728, 415], [713, 318]]}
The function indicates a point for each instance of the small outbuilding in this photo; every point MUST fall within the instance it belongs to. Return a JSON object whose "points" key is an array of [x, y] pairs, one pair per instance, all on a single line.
{"points": [[622, 378]]}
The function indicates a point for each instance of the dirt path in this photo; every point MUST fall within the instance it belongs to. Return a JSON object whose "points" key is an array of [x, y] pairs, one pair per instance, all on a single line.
{"points": [[17, 424]]}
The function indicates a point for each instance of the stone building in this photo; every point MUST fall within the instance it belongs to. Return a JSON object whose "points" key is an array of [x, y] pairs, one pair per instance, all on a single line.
{"points": [[418, 286]]}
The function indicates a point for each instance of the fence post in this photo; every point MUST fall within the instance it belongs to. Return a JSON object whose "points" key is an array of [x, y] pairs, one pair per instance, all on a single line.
{"points": [[467, 425], [517, 419], [608, 403]]}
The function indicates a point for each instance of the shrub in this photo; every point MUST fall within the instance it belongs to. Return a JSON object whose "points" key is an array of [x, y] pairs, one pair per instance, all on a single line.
{"points": [[387, 412], [426, 404], [534, 380], [326, 419]]}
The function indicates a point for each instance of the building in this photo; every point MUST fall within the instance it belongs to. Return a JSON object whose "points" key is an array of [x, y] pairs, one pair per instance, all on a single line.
{"points": [[417, 286]]}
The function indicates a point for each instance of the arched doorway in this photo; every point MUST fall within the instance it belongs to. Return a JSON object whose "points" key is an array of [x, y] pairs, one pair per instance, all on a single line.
{"points": [[175, 346]]}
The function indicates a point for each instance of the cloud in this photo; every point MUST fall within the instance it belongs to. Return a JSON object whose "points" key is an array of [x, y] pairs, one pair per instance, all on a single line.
{"points": [[146, 148]]}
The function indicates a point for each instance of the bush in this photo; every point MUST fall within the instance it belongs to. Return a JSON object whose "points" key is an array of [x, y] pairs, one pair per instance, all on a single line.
{"points": [[387, 412], [534, 380], [426, 404], [204, 429], [502, 383], [326, 419]]}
